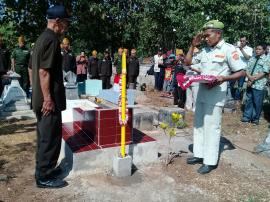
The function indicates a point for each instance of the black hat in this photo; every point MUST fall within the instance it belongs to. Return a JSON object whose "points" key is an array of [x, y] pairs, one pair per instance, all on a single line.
{"points": [[57, 11]]}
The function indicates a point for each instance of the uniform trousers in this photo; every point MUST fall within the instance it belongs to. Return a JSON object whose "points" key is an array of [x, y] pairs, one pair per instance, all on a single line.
{"points": [[49, 136], [191, 94], [207, 131], [24, 80]]}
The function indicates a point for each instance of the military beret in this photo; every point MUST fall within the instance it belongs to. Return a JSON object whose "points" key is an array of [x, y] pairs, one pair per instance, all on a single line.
{"points": [[57, 11], [213, 24]]}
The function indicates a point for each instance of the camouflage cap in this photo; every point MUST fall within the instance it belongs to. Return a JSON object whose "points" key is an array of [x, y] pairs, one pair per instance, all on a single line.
{"points": [[213, 24]]}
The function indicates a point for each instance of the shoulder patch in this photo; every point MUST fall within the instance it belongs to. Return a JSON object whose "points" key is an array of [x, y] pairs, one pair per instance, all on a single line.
{"points": [[235, 56]]}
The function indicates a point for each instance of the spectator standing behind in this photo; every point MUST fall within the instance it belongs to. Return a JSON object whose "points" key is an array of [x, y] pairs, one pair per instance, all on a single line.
{"points": [[257, 73], [118, 65], [81, 61], [245, 52], [133, 69], [19, 61], [49, 98], [158, 62], [4, 63], [179, 95], [105, 70], [93, 66], [167, 83], [68, 59], [218, 58]]}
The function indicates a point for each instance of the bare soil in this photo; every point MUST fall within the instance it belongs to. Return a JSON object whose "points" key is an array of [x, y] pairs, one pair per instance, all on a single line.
{"points": [[234, 180]]}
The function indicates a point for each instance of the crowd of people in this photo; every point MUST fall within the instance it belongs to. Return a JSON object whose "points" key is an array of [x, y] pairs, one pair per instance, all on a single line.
{"points": [[248, 91], [231, 65], [92, 67]]}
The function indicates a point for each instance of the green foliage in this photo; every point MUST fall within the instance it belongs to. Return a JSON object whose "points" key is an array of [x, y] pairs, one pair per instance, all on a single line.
{"points": [[145, 25]]}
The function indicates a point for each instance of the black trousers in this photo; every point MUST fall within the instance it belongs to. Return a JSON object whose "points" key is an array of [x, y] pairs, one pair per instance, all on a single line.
{"points": [[49, 136], [179, 96], [81, 77], [106, 82], [132, 82]]}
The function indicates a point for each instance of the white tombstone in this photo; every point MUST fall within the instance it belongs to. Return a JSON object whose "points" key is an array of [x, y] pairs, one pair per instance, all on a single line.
{"points": [[13, 92]]}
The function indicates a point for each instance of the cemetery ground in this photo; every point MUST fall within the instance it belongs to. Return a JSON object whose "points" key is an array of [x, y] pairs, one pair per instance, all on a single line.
{"points": [[240, 176]]}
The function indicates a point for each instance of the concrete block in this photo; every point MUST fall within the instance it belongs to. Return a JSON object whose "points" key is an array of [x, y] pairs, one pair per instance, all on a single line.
{"points": [[72, 92], [141, 155], [92, 87], [164, 114], [100, 160], [144, 118], [122, 166], [81, 88]]}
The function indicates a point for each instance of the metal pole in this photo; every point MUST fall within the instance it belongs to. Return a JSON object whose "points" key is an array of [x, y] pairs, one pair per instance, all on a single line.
{"points": [[123, 108]]}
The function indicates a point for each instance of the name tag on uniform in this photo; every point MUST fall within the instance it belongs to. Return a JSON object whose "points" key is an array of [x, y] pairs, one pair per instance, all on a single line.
{"points": [[220, 56]]}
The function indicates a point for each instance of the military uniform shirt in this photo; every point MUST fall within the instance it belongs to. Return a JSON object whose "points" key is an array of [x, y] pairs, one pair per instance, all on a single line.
{"points": [[47, 55], [261, 66], [220, 60], [21, 56]]}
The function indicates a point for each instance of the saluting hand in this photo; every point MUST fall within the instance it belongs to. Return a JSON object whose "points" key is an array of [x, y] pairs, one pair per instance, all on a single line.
{"points": [[197, 40]]}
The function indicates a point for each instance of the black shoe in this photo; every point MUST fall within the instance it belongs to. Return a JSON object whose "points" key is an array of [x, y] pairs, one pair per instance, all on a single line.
{"points": [[245, 120], [206, 169], [194, 160], [51, 183], [255, 122]]}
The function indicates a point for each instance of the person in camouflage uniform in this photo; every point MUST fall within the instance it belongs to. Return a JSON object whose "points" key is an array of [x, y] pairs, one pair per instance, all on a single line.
{"points": [[20, 60]]}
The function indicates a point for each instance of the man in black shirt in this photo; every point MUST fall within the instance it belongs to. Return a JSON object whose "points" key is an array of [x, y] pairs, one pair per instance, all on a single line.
{"points": [[105, 70], [93, 65], [4, 62], [49, 97], [133, 69], [68, 59]]}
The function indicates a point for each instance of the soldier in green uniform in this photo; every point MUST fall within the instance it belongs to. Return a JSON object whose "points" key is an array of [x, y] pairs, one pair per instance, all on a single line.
{"points": [[20, 60]]}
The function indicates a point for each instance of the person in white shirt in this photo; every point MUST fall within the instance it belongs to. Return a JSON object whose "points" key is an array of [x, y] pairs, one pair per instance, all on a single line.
{"points": [[245, 53], [158, 62], [220, 59]]}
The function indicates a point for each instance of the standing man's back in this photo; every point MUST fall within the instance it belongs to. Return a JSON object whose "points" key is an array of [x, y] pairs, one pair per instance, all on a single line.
{"points": [[49, 98]]}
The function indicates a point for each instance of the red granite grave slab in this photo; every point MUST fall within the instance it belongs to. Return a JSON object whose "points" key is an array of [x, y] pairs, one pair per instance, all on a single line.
{"points": [[107, 123], [99, 128], [108, 114]]}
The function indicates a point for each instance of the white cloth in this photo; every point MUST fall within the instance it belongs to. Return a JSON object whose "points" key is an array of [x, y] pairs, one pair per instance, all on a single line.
{"points": [[191, 93], [157, 60], [243, 61]]}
